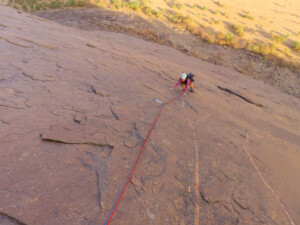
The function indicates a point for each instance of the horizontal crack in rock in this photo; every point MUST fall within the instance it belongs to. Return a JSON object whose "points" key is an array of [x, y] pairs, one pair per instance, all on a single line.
{"points": [[13, 43], [99, 92], [240, 96], [34, 78], [10, 106], [207, 200], [79, 142], [40, 45], [90, 45]]}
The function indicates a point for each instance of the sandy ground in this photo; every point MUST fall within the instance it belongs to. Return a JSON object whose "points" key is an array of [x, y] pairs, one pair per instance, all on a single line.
{"points": [[280, 16], [77, 105]]}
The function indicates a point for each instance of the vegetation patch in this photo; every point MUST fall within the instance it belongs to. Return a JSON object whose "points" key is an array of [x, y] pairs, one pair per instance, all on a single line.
{"points": [[179, 5], [55, 4], [262, 49], [117, 4], [229, 38], [247, 16], [278, 38], [287, 51], [238, 29], [296, 45], [134, 5]]}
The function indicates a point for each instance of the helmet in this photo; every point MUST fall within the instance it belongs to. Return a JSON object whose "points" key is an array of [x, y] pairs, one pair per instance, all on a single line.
{"points": [[183, 76]]}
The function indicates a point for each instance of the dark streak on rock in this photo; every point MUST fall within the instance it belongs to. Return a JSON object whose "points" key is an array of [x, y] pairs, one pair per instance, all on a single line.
{"points": [[240, 96], [138, 134], [33, 78], [114, 114], [5, 122], [204, 198], [93, 89], [237, 211], [225, 175], [40, 45], [10, 42], [191, 107], [239, 204], [12, 107], [99, 190], [59, 66], [99, 92], [83, 142], [11, 219], [90, 45], [85, 164]]}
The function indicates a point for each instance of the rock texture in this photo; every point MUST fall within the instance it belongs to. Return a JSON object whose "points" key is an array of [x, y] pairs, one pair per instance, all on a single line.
{"points": [[75, 107]]}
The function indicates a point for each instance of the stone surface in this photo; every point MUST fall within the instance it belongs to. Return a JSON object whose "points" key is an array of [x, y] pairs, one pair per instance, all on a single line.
{"points": [[212, 158]]}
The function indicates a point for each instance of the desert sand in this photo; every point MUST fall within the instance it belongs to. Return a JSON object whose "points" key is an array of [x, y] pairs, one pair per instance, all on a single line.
{"points": [[75, 107], [280, 16]]}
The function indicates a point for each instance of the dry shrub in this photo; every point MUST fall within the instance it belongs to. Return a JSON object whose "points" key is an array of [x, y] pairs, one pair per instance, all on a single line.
{"points": [[261, 49], [296, 45], [117, 4], [221, 35], [272, 48], [265, 49], [176, 18], [254, 48], [200, 32], [238, 29], [222, 42], [247, 16], [188, 20], [278, 38], [210, 38], [191, 27], [148, 11], [134, 5], [287, 51], [179, 5], [229, 38], [99, 4]]}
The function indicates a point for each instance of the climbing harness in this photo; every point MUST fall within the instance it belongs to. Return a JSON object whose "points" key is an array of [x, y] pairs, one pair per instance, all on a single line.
{"points": [[110, 215]]}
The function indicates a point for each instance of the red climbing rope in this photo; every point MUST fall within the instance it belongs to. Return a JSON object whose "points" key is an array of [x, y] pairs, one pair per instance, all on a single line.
{"points": [[108, 219]]}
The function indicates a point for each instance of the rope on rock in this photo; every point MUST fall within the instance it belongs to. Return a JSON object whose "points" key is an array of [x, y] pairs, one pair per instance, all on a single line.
{"points": [[114, 208]]}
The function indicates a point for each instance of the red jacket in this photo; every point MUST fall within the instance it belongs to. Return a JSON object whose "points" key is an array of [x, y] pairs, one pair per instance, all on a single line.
{"points": [[187, 84]]}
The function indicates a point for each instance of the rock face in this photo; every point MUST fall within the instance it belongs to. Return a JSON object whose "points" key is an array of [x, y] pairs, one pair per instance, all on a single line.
{"points": [[75, 107]]}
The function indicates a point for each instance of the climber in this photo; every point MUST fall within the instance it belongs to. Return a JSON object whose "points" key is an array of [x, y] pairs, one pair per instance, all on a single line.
{"points": [[186, 80]]}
